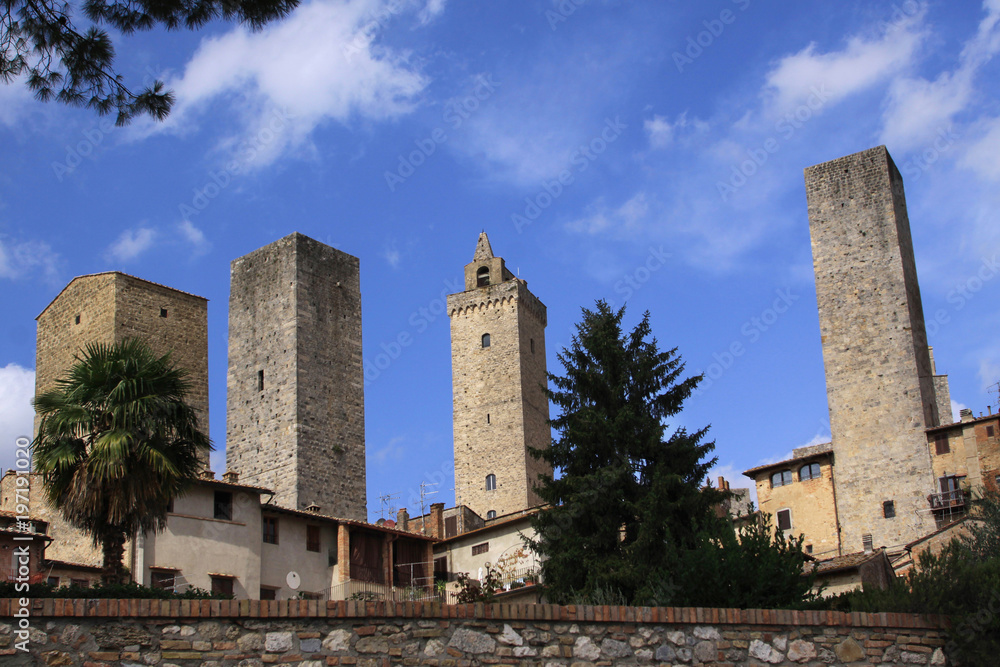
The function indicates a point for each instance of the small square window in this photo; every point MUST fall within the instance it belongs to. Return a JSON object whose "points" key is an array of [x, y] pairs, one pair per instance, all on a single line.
{"points": [[492, 514], [162, 580], [941, 445], [889, 509], [163, 312], [486, 340], [809, 548], [784, 519], [480, 548], [268, 593], [222, 586], [990, 432], [76, 320], [53, 582]]}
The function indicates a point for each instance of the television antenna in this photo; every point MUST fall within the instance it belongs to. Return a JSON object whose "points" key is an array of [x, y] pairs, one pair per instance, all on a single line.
{"points": [[385, 500]]}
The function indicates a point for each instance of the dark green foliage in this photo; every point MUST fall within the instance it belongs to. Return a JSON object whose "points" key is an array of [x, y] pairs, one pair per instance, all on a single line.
{"points": [[746, 566], [40, 42], [629, 499], [116, 443], [962, 581], [128, 591]]}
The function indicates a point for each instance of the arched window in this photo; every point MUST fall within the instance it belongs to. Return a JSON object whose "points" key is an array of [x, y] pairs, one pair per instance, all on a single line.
{"points": [[811, 471], [492, 514], [781, 478], [491, 482], [483, 276], [486, 340]]}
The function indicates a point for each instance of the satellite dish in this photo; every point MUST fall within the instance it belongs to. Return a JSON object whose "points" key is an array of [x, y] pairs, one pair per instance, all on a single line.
{"points": [[293, 580]]}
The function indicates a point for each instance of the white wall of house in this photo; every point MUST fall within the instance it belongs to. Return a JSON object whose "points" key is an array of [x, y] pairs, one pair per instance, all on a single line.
{"points": [[290, 555]]}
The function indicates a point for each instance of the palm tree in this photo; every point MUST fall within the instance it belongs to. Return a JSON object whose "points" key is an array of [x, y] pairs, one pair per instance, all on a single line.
{"points": [[116, 443]]}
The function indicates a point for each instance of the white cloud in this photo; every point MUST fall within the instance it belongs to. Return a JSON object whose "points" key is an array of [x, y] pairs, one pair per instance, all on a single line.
{"points": [[393, 451], [660, 131], [431, 10], [20, 259], [981, 156], [15, 98], [17, 387], [956, 410], [918, 108], [863, 62], [392, 256], [194, 236], [131, 244], [989, 372], [625, 220], [321, 63]]}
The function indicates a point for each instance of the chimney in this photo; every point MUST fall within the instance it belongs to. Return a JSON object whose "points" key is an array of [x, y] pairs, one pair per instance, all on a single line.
{"points": [[402, 518], [966, 415], [314, 508], [866, 540], [207, 474], [930, 353], [722, 483], [437, 520], [230, 477]]}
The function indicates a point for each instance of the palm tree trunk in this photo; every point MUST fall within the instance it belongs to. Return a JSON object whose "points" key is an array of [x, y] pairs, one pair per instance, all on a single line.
{"points": [[114, 550]]}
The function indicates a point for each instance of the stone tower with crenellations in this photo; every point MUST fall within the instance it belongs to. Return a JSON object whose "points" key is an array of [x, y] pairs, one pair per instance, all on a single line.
{"points": [[295, 405], [881, 386], [498, 375]]}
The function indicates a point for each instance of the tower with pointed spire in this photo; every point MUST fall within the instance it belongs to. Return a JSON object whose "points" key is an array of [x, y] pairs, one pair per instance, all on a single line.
{"points": [[498, 375]]}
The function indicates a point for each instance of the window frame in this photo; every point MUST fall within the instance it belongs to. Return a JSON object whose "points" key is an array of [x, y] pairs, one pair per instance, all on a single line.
{"points": [[222, 585], [777, 518], [782, 473], [486, 341], [479, 549], [483, 276], [888, 509], [491, 482], [269, 529], [222, 500], [491, 514], [314, 538], [809, 467], [942, 445]]}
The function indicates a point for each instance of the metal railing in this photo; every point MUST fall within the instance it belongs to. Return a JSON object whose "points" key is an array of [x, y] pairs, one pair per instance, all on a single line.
{"points": [[947, 500]]}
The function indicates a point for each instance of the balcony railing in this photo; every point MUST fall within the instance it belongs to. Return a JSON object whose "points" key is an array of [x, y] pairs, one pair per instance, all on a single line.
{"points": [[948, 500]]}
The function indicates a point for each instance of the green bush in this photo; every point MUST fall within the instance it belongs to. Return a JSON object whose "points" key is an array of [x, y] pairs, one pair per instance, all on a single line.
{"points": [[130, 591]]}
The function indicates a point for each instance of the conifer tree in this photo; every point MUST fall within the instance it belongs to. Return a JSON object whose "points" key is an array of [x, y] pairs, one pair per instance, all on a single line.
{"points": [[630, 496]]}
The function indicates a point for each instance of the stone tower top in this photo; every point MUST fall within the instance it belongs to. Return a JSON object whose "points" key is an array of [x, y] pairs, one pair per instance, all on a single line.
{"points": [[485, 269], [483, 249]]}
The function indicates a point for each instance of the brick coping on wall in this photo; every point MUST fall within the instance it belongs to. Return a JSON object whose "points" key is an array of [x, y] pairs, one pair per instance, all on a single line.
{"points": [[313, 609]]}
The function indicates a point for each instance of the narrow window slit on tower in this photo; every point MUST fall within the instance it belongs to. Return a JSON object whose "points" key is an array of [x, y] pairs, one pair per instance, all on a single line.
{"points": [[491, 482], [487, 418], [163, 312], [77, 320], [486, 340], [532, 343], [889, 509], [260, 380]]}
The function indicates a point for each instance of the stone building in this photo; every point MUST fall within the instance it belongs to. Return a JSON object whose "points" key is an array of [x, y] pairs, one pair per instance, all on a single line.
{"points": [[799, 494], [498, 375], [111, 306], [881, 386], [295, 417], [107, 308]]}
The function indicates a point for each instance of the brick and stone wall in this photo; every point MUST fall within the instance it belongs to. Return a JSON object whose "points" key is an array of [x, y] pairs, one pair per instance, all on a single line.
{"points": [[878, 370], [499, 407], [118, 633], [295, 403]]}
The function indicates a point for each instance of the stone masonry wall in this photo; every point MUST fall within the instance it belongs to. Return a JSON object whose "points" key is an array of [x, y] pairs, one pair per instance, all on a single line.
{"points": [[120, 633], [295, 317], [878, 370], [499, 408], [812, 505]]}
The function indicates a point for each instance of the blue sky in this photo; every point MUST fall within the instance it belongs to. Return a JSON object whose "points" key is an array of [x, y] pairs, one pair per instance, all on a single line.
{"points": [[648, 152]]}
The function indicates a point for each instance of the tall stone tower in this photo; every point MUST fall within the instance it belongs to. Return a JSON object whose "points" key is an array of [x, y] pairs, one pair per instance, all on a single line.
{"points": [[879, 377], [295, 407], [498, 372], [109, 307]]}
